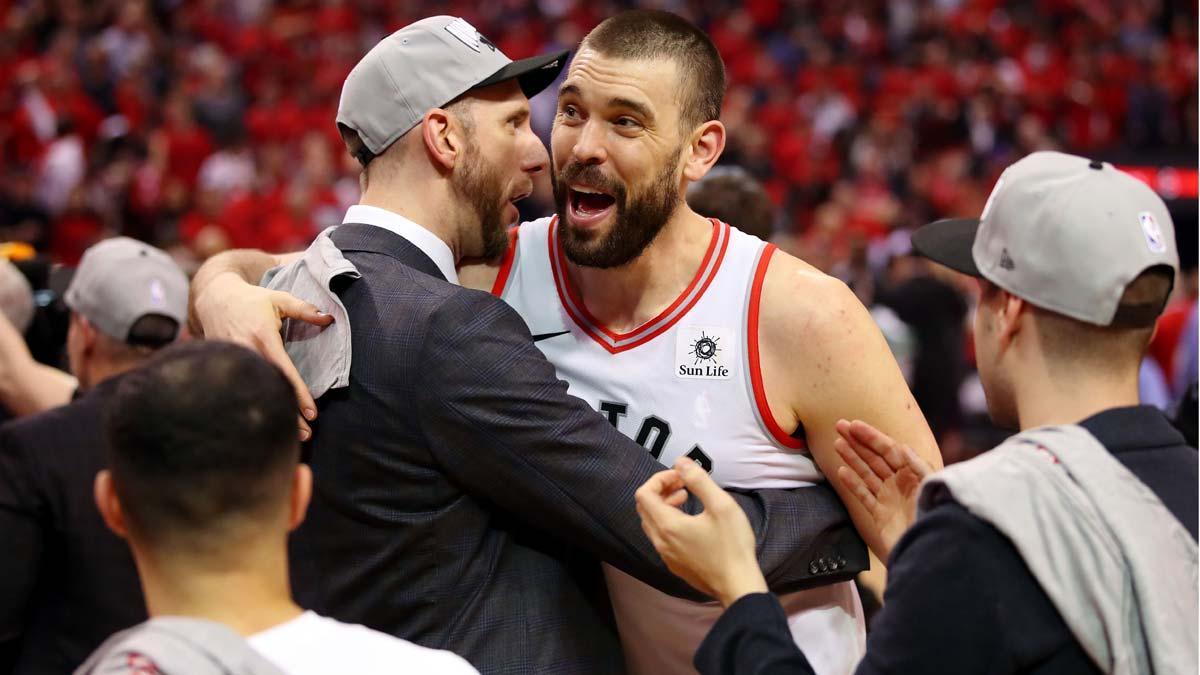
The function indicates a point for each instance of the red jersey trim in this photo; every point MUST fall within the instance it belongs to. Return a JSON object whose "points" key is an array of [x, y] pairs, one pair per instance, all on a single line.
{"points": [[506, 263], [618, 342], [752, 349]]}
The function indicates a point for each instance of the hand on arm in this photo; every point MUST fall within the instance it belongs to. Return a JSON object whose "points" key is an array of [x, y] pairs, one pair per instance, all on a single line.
{"points": [[227, 305], [824, 360], [714, 550], [882, 476]]}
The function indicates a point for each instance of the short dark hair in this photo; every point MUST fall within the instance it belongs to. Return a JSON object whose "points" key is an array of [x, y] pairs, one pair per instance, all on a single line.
{"points": [[730, 194], [202, 439], [1071, 342], [654, 34]]}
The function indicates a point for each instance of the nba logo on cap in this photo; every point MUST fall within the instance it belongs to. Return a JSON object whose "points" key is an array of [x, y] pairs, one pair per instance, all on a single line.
{"points": [[158, 296], [1154, 233]]}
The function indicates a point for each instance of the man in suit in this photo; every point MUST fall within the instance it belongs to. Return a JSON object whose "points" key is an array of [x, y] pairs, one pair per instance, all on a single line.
{"points": [[454, 479], [1071, 548], [66, 582]]}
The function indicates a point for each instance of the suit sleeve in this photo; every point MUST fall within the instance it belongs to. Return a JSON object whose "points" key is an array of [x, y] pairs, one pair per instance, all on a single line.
{"points": [[21, 514], [500, 421]]}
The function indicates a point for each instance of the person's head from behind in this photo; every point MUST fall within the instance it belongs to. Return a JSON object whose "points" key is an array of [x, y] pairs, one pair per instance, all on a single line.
{"points": [[127, 300], [637, 121], [1075, 262], [16, 296], [436, 102], [730, 194], [203, 459]]}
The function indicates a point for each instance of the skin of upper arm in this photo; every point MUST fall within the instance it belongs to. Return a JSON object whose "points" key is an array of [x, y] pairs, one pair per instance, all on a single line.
{"points": [[824, 359], [480, 276]]}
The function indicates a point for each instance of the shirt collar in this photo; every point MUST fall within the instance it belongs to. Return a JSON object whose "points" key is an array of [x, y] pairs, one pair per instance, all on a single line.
{"points": [[429, 243], [1133, 428]]}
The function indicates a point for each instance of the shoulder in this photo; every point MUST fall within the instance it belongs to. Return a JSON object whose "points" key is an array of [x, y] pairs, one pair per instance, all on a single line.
{"points": [[802, 306], [370, 649], [72, 419], [474, 321], [534, 227]]}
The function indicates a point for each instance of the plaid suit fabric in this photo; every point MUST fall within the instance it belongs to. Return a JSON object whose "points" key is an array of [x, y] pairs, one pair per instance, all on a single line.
{"points": [[455, 478]]}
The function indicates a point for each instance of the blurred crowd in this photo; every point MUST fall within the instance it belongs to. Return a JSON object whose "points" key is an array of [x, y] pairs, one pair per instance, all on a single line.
{"points": [[202, 125]]}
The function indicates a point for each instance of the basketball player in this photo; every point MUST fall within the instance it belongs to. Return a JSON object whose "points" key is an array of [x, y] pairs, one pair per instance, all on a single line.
{"points": [[693, 338]]}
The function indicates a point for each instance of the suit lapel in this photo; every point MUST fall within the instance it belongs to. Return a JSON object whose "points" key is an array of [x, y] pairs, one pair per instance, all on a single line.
{"points": [[372, 239]]}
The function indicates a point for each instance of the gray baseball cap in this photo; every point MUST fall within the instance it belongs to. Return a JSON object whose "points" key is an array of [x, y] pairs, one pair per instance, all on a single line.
{"points": [[121, 280], [1066, 233], [426, 65]]}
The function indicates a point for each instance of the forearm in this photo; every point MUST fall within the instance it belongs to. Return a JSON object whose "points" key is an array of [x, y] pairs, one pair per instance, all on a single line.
{"points": [[31, 387], [804, 537], [248, 265]]}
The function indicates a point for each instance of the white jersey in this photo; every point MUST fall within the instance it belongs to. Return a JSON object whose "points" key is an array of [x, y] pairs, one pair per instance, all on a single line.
{"points": [[684, 383], [311, 643]]}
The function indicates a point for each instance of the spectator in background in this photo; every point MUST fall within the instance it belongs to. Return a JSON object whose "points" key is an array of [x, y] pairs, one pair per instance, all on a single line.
{"points": [[936, 312], [16, 296], [206, 511], [66, 583], [730, 194], [26, 386]]}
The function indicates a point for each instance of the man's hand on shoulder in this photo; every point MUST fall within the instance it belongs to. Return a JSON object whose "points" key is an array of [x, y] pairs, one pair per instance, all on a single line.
{"points": [[226, 305], [823, 359]]}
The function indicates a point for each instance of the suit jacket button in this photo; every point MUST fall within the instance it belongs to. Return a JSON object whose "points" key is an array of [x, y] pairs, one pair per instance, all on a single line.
{"points": [[824, 564], [813, 567]]}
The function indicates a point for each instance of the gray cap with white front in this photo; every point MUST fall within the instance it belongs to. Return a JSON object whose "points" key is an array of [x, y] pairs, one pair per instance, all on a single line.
{"points": [[425, 65], [1066, 233]]}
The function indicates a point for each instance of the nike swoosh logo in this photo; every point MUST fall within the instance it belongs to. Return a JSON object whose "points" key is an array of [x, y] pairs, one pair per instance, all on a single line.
{"points": [[546, 336]]}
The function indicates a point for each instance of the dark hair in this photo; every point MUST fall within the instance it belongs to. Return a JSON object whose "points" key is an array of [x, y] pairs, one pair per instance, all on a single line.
{"points": [[653, 34], [1072, 343], [730, 194], [202, 438], [153, 331], [355, 145]]}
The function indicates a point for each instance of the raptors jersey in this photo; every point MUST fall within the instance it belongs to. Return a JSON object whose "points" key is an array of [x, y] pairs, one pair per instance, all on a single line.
{"points": [[685, 383]]}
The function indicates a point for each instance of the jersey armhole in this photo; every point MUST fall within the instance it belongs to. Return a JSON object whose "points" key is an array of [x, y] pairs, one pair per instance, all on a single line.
{"points": [[506, 263], [755, 361]]}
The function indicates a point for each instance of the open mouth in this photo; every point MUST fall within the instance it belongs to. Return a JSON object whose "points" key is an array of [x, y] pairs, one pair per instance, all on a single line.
{"points": [[589, 206]]}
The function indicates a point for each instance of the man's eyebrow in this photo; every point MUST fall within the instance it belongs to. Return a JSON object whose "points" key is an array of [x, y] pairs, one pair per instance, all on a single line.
{"points": [[639, 108], [616, 102]]}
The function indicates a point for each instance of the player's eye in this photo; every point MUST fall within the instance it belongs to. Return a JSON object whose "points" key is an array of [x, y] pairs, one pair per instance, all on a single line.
{"points": [[627, 123]]}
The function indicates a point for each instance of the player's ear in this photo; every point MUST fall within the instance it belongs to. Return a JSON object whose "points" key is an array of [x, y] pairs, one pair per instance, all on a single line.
{"points": [[441, 138], [707, 144]]}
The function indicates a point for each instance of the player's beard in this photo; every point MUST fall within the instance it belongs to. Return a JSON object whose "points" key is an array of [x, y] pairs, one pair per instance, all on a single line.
{"points": [[482, 185], [636, 223]]}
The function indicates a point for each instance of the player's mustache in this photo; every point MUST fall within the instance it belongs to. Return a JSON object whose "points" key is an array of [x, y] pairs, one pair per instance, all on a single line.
{"points": [[593, 177]]}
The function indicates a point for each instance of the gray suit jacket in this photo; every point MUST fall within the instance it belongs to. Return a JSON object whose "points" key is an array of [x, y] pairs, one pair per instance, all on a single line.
{"points": [[462, 497]]}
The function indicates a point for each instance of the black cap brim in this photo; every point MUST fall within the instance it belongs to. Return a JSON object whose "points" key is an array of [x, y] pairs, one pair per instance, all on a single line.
{"points": [[949, 243], [533, 74]]}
